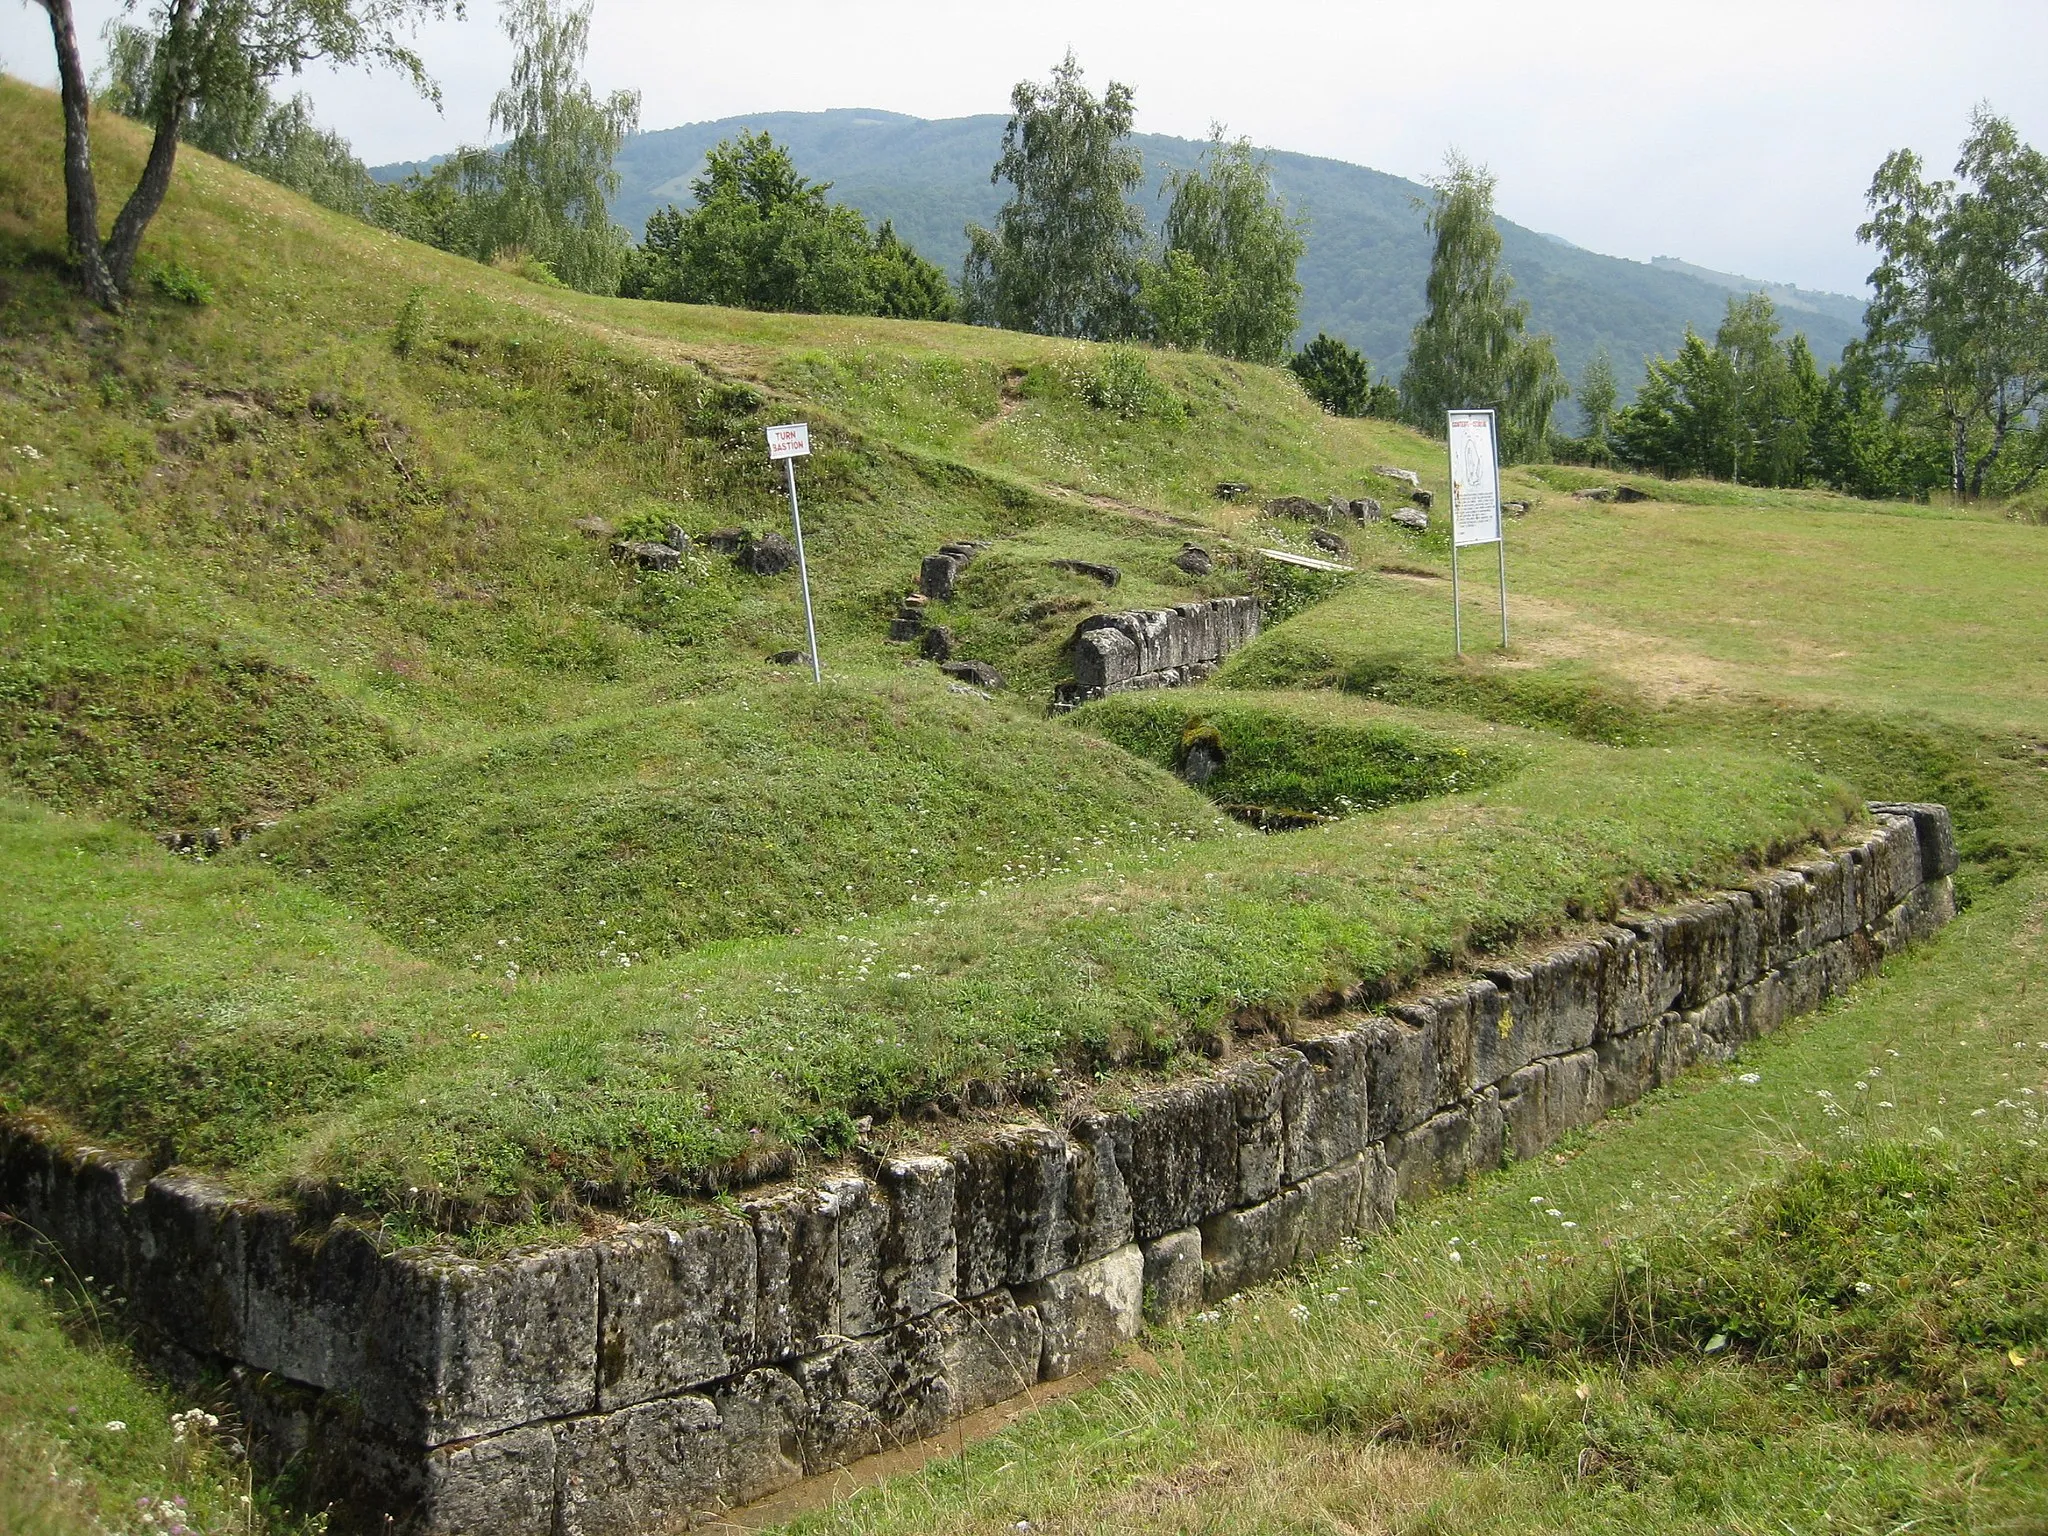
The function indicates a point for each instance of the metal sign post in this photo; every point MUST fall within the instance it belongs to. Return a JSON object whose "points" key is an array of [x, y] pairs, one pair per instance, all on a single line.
{"points": [[1475, 507], [789, 444]]}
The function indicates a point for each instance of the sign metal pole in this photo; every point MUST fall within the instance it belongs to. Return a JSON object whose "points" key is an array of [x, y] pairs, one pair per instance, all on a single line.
{"points": [[1457, 606], [1500, 529], [790, 443]]}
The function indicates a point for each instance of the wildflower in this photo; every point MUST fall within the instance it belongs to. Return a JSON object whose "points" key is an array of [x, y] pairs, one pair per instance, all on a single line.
{"points": [[1863, 1287], [116, 1427], [1750, 1077], [1571, 1224], [1553, 1211], [1298, 1312]]}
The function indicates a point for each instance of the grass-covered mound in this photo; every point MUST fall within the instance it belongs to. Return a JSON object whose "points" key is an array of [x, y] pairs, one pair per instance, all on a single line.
{"points": [[1303, 753], [757, 811]]}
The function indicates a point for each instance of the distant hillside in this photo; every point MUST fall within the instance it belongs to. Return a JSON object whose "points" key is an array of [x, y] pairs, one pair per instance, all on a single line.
{"points": [[1362, 277]]}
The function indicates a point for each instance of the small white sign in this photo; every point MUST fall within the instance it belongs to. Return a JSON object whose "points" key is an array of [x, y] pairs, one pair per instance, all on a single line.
{"points": [[790, 442], [1475, 479]]}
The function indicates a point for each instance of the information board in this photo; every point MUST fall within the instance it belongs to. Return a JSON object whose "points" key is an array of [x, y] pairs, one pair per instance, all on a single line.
{"points": [[790, 442], [1475, 479]]}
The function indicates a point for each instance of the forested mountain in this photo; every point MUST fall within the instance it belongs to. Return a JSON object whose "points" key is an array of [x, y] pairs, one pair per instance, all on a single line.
{"points": [[1367, 254]]}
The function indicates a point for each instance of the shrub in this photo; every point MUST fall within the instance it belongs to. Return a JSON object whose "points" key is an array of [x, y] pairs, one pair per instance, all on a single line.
{"points": [[175, 280]]}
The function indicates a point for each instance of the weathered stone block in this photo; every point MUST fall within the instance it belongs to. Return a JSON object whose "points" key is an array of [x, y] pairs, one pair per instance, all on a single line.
{"points": [[1699, 941], [1568, 998], [503, 1484], [1326, 1103], [80, 1199], [189, 1275], [307, 1312], [1573, 1090], [1257, 1091], [1446, 1149], [919, 1270], [651, 1467], [1100, 1210], [1628, 1067], [1301, 1223], [1447, 1070], [1528, 1120], [869, 1394], [853, 1210], [455, 1349], [1010, 1208], [1400, 1077], [1173, 1275], [681, 1307], [1086, 1312], [1935, 834], [1183, 1156], [990, 1349], [1895, 864]]}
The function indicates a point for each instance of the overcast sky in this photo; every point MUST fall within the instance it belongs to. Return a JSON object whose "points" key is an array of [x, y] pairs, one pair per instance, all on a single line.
{"points": [[1737, 134]]}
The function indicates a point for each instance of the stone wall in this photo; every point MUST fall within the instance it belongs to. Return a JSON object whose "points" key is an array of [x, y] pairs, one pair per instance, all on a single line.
{"points": [[661, 1372], [1156, 647]]}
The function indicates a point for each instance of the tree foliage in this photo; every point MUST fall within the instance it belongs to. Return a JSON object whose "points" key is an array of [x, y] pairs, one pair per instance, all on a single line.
{"points": [[1339, 378], [1596, 395], [1472, 347], [543, 197], [1226, 280], [242, 121], [760, 236], [1064, 258], [204, 57], [1958, 330]]}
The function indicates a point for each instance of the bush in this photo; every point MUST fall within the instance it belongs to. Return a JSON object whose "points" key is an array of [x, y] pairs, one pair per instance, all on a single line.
{"points": [[175, 280], [1339, 378], [1118, 380]]}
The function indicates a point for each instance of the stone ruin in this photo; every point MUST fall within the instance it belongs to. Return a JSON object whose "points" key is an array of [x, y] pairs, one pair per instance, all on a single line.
{"points": [[650, 1376], [1156, 647]]}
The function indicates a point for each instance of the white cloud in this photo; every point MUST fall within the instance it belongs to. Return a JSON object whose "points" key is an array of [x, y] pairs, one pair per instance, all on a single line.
{"points": [[1739, 134]]}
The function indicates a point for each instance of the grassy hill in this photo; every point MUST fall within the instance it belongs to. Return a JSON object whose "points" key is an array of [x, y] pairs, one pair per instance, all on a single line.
{"points": [[1362, 275], [560, 897]]}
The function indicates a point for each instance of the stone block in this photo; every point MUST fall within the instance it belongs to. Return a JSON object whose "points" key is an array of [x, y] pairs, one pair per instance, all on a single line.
{"points": [[1699, 941], [1304, 1221], [852, 1209], [1087, 1311], [1258, 1093], [1104, 660], [188, 1277], [307, 1313], [1895, 864], [680, 1308], [919, 1268], [1183, 1157], [1746, 952], [1173, 1275], [1568, 998], [1573, 1090], [1935, 834], [652, 1467], [1825, 921], [1100, 1210], [937, 575], [1628, 1067], [503, 1484], [1326, 1103], [990, 1350], [1400, 1076], [1446, 1149], [1763, 1005], [762, 1413], [869, 1394], [1010, 1208], [453, 1349], [1447, 1070], [80, 1198], [1529, 1122]]}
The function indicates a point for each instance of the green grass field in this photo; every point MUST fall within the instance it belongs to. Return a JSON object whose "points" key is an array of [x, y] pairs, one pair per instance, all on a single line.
{"points": [[559, 893]]}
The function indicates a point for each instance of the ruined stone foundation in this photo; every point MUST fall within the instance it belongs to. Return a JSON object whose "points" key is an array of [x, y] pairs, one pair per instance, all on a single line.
{"points": [[641, 1380]]}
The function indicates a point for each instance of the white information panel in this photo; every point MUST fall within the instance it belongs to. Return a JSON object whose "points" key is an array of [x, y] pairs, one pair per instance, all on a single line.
{"points": [[1475, 479], [790, 442]]}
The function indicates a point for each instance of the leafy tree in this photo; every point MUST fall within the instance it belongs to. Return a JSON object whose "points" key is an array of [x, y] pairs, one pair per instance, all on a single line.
{"points": [[243, 122], [1596, 398], [1472, 348], [203, 53], [1065, 254], [554, 178], [1228, 224], [1337, 376], [763, 237], [1863, 441], [1959, 326]]}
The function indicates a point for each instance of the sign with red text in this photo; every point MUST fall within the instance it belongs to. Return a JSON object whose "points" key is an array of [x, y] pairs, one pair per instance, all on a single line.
{"points": [[790, 442]]}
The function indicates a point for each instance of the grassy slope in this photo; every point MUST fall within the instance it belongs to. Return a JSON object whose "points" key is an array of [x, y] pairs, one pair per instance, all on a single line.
{"points": [[263, 509]]}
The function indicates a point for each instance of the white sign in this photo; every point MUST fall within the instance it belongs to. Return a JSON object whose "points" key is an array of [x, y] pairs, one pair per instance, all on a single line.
{"points": [[1475, 479], [790, 442]]}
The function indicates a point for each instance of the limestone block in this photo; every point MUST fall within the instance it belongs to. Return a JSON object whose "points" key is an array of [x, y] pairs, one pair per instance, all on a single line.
{"points": [[1087, 1311], [82, 1199], [1257, 1090], [647, 1468], [762, 1414], [989, 1351], [1183, 1156], [1628, 1067], [1173, 1275], [937, 575], [1010, 1208], [1446, 1149], [681, 1307], [1304, 1221], [454, 1348], [919, 1268], [1805, 979], [1573, 1090], [1763, 1005], [1100, 1210], [1935, 834], [1568, 998], [1448, 1068], [188, 1271], [1326, 1103], [1698, 941], [307, 1312], [1925, 912], [1502, 1011], [782, 1293], [853, 1210], [1746, 949], [1827, 921], [502, 1484], [868, 1395], [1399, 1075], [1529, 1121], [1104, 660], [1897, 864]]}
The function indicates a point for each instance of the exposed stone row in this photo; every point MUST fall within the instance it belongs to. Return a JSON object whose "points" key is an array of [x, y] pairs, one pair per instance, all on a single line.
{"points": [[664, 1370], [1157, 647]]}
